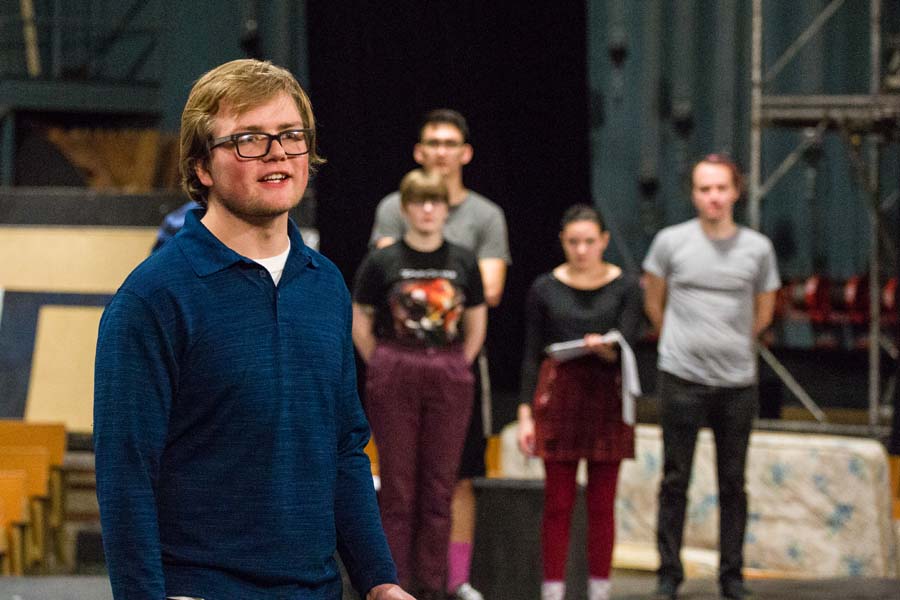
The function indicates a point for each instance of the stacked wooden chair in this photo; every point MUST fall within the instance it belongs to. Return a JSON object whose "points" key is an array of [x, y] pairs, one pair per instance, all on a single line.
{"points": [[13, 521], [32, 488]]}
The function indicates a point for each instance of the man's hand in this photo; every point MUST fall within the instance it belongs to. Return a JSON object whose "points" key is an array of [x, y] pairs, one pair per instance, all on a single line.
{"points": [[388, 591]]}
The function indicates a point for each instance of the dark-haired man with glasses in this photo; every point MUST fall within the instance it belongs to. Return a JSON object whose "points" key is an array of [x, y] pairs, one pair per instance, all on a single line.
{"points": [[229, 437], [474, 222], [477, 224]]}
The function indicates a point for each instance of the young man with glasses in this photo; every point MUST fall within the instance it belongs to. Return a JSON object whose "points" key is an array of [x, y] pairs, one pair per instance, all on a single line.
{"points": [[710, 291], [229, 437], [475, 223]]}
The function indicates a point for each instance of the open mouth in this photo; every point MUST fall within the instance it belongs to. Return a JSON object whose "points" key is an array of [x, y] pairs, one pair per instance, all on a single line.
{"points": [[274, 178]]}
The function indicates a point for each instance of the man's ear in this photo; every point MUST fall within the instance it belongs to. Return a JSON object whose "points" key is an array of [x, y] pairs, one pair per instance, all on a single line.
{"points": [[467, 153], [203, 174], [418, 154]]}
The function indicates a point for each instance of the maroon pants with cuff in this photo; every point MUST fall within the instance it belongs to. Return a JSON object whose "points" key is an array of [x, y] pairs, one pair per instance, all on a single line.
{"points": [[418, 401]]}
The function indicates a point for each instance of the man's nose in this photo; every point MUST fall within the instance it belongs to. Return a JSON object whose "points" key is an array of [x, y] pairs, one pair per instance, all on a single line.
{"points": [[276, 151]]}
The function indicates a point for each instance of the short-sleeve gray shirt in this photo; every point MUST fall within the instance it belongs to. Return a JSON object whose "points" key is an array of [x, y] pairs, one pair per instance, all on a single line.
{"points": [[711, 285], [477, 224]]}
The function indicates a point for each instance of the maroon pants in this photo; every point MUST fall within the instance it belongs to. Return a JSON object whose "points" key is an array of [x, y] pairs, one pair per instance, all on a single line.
{"points": [[559, 499], [418, 402]]}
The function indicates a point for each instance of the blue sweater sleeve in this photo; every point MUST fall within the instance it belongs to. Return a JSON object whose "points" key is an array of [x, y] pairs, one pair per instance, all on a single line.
{"points": [[360, 538], [132, 398]]}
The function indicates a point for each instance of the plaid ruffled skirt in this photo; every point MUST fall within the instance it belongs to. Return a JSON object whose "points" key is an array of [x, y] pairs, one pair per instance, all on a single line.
{"points": [[577, 410]]}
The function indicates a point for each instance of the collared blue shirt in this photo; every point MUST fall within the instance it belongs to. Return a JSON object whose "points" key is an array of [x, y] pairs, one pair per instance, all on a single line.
{"points": [[228, 432]]}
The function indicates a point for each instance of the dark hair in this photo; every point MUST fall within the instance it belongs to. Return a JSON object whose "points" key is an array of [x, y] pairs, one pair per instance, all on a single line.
{"points": [[448, 116], [581, 212], [726, 161]]}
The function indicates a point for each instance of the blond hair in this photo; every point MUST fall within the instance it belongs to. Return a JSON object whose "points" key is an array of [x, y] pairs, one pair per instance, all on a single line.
{"points": [[419, 183], [240, 85]]}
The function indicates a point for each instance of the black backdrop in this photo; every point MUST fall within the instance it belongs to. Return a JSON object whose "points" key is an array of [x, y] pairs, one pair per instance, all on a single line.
{"points": [[517, 70]]}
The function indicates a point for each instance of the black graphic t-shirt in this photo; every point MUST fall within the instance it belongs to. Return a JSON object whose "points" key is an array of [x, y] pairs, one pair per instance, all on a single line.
{"points": [[419, 297]]}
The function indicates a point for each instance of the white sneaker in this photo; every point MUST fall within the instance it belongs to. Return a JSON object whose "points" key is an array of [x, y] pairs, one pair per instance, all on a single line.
{"points": [[599, 589], [553, 590], [467, 592]]}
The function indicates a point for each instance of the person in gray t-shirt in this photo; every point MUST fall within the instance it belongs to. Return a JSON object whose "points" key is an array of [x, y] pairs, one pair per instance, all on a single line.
{"points": [[474, 222], [477, 224], [710, 292]]}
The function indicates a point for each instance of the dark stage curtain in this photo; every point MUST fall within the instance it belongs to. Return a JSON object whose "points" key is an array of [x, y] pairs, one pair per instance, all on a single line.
{"points": [[517, 70]]}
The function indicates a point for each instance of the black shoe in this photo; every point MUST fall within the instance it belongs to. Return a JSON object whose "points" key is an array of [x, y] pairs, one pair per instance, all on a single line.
{"points": [[666, 589], [735, 590]]}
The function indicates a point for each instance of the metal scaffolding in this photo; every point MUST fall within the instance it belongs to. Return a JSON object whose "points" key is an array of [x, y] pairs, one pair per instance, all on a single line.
{"points": [[862, 122]]}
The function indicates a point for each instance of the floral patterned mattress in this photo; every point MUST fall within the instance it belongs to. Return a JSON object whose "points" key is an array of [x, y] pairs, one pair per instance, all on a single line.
{"points": [[819, 505]]}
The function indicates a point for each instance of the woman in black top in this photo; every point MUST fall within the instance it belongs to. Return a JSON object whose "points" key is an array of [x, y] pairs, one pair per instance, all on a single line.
{"points": [[573, 409]]}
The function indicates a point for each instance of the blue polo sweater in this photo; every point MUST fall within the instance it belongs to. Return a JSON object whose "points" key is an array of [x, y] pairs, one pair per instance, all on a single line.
{"points": [[228, 432]]}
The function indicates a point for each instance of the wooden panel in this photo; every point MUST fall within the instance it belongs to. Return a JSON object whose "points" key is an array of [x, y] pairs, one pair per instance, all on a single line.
{"points": [[62, 372], [71, 259]]}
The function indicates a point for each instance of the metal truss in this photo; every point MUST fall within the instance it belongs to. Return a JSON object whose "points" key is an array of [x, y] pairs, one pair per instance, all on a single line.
{"points": [[865, 122]]}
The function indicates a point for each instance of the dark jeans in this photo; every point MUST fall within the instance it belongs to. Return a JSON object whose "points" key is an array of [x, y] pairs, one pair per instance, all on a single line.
{"points": [[685, 407]]}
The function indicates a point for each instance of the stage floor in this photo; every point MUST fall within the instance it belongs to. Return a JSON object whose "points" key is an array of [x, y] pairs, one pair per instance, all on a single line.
{"points": [[630, 587], [627, 586]]}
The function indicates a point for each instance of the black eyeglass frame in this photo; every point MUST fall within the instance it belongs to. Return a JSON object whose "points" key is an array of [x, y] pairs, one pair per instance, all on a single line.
{"points": [[233, 138], [448, 144]]}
